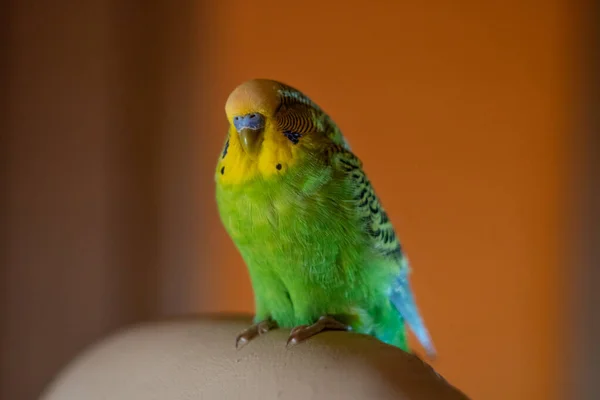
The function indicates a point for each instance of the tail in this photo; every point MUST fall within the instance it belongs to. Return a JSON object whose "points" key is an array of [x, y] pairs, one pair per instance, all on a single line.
{"points": [[404, 301]]}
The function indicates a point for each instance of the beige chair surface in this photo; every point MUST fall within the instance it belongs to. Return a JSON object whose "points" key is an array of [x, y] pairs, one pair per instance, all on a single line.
{"points": [[195, 358]]}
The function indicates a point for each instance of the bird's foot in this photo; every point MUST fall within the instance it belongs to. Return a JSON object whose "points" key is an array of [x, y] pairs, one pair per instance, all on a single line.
{"points": [[253, 331], [325, 323]]}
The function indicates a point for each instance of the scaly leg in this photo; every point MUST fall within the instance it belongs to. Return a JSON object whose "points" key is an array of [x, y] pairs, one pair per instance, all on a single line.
{"points": [[325, 323], [253, 331]]}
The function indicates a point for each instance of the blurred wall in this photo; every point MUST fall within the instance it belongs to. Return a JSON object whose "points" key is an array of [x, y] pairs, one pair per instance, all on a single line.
{"points": [[584, 228], [459, 112], [101, 200], [115, 117]]}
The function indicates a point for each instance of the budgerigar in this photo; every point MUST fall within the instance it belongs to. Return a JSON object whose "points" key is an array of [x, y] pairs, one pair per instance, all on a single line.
{"points": [[319, 247]]}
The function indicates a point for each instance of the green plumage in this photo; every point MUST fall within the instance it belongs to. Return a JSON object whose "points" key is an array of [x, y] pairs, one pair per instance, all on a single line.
{"points": [[315, 238]]}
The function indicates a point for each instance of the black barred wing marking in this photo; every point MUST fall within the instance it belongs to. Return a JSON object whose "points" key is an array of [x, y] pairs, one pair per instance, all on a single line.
{"points": [[375, 220]]}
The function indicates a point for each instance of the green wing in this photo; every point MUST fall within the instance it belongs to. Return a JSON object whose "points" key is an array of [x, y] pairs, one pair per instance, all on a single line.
{"points": [[298, 114], [375, 221], [383, 238]]}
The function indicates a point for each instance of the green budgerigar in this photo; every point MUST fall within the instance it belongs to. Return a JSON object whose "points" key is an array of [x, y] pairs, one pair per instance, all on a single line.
{"points": [[319, 247]]}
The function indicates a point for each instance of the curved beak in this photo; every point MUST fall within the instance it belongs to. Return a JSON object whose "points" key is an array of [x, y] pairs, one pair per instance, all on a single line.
{"points": [[250, 128], [251, 141]]}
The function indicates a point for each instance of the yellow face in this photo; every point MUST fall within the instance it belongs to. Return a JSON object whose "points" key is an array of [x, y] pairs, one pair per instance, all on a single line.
{"points": [[262, 140]]}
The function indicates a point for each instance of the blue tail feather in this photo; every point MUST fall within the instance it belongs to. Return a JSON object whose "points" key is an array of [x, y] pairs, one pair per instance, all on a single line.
{"points": [[404, 301]]}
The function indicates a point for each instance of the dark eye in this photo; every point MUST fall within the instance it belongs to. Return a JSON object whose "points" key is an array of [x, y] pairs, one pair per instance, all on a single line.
{"points": [[294, 137]]}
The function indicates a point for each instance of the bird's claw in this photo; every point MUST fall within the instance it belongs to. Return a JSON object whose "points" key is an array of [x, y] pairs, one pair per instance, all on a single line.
{"points": [[253, 331], [324, 323]]}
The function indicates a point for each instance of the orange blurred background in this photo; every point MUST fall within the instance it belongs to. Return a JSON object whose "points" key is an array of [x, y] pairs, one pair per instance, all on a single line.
{"points": [[462, 113]]}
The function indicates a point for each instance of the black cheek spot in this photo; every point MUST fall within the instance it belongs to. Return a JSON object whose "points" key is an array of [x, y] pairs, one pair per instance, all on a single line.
{"points": [[278, 166], [225, 149], [222, 170]]}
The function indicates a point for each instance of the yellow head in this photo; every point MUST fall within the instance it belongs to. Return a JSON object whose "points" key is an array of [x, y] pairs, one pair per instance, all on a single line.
{"points": [[272, 127]]}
